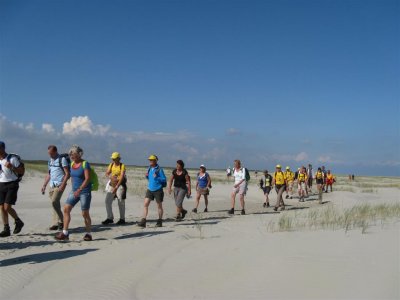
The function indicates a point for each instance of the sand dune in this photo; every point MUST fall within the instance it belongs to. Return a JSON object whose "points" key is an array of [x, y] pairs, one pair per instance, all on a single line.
{"points": [[207, 256]]}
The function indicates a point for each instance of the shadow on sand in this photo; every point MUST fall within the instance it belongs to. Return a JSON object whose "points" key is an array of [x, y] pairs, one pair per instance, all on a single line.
{"points": [[142, 234], [44, 257]]}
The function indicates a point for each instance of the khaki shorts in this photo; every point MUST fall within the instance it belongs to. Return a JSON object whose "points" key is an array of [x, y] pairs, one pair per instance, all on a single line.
{"points": [[241, 189], [203, 191]]}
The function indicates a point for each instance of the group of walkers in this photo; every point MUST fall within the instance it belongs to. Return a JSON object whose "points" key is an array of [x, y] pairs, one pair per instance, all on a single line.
{"points": [[71, 165], [284, 182]]}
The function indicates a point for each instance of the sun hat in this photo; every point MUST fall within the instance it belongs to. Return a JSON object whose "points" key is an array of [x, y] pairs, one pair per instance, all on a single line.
{"points": [[287, 168], [278, 166], [153, 157], [115, 155]]}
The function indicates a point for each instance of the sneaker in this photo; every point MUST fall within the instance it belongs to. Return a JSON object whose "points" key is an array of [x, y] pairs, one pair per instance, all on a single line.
{"points": [[242, 212], [194, 210], [231, 211], [159, 223], [178, 218], [121, 222], [107, 221], [184, 212], [6, 232], [206, 210], [54, 227], [61, 236], [142, 223], [267, 204], [87, 237], [275, 209], [264, 204], [18, 226]]}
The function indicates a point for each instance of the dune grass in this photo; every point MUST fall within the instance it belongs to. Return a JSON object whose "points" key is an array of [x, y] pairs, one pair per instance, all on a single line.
{"points": [[329, 217]]}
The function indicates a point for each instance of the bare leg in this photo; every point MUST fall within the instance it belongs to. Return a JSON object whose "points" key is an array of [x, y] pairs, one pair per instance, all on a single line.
{"points": [[67, 216], [146, 207], [160, 210], [197, 200], [242, 201], [88, 221], [233, 196], [206, 200]]}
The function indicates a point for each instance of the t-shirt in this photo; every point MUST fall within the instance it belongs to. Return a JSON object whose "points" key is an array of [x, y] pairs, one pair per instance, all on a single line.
{"points": [[56, 170], [202, 180], [266, 180], [180, 180], [116, 171], [302, 177], [6, 174], [239, 175], [78, 177], [279, 178], [289, 176]]}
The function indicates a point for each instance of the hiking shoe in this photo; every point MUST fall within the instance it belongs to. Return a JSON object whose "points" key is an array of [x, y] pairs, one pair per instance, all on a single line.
{"points": [[194, 210], [121, 222], [267, 204], [242, 212], [61, 236], [18, 226], [60, 226], [206, 209], [87, 237], [107, 221], [6, 232], [159, 223], [184, 212], [275, 209], [142, 223], [287, 197], [178, 218], [231, 211], [264, 204], [282, 208], [290, 197], [54, 227]]}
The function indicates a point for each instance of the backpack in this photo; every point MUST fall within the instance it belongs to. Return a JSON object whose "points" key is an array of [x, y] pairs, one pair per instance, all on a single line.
{"points": [[21, 164], [94, 179], [67, 158], [124, 180], [247, 174], [164, 183]]}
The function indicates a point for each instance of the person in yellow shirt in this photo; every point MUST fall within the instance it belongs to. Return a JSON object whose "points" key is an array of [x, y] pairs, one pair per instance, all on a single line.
{"points": [[330, 180], [302, 180], [319, 178], [115, 189], [279, 180], [290, 180]]}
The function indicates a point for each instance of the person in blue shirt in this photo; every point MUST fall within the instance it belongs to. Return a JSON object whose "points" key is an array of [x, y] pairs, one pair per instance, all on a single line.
{"points": [[57, 176], [81, 192], [157, 181]]}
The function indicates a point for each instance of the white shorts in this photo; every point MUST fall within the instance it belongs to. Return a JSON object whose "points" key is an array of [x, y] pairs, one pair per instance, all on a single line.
{"points": [[241, 189], [301, 186]]}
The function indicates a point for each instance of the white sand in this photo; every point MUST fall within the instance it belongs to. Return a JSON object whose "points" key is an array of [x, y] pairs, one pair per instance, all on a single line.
{"points": [[218, 257]]}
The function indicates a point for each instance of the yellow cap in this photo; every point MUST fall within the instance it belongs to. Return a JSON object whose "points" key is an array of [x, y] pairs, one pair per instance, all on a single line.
{"points": [[287, 168], [278, 166], [115, 155], [153, 157]]}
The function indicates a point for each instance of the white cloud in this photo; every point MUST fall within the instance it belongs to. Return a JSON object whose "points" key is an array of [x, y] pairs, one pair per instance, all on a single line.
{"points": [[46, 127], [325, 159], [233, 131], [302, 156], [82, 124]]}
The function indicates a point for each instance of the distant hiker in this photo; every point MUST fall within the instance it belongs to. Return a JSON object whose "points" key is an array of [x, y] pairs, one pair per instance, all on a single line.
{"points": [[58, 175], [266, 185], [81, 192], [330, 180], [352, 177], [115, 189], [203, 186], [157, 181], [228, 172], [310, 176], [279, 181], [290, 181], [302, 183], [240, 187], [324, 172], [181, 180], [319, 178], [11, 169]]}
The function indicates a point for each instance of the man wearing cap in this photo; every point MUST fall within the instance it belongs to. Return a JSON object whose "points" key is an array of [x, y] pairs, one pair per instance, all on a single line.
{"points": [[57, 176], [279, 181], [116, 188], [289, 180], [9, 168], [266, 185], [157, 181]]}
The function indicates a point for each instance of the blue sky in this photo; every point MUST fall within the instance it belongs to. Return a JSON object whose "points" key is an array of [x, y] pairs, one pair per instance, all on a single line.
{"points": [[205, 81]]}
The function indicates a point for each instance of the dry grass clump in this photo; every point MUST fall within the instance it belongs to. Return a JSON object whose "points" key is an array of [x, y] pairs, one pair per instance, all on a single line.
{"points": [[329, 217]]}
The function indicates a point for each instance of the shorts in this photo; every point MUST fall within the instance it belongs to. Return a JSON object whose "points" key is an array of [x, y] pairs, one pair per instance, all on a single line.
{"points": [[267, 190], [301, 186], [158, 195], [320, 181], [8, 192], [203, 191], [84, 198], [241, 189], [179, 196], [310, 181]]}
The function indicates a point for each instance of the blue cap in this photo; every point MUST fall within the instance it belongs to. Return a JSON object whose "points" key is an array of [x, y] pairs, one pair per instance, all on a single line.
{"points": [[2, 145]]}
